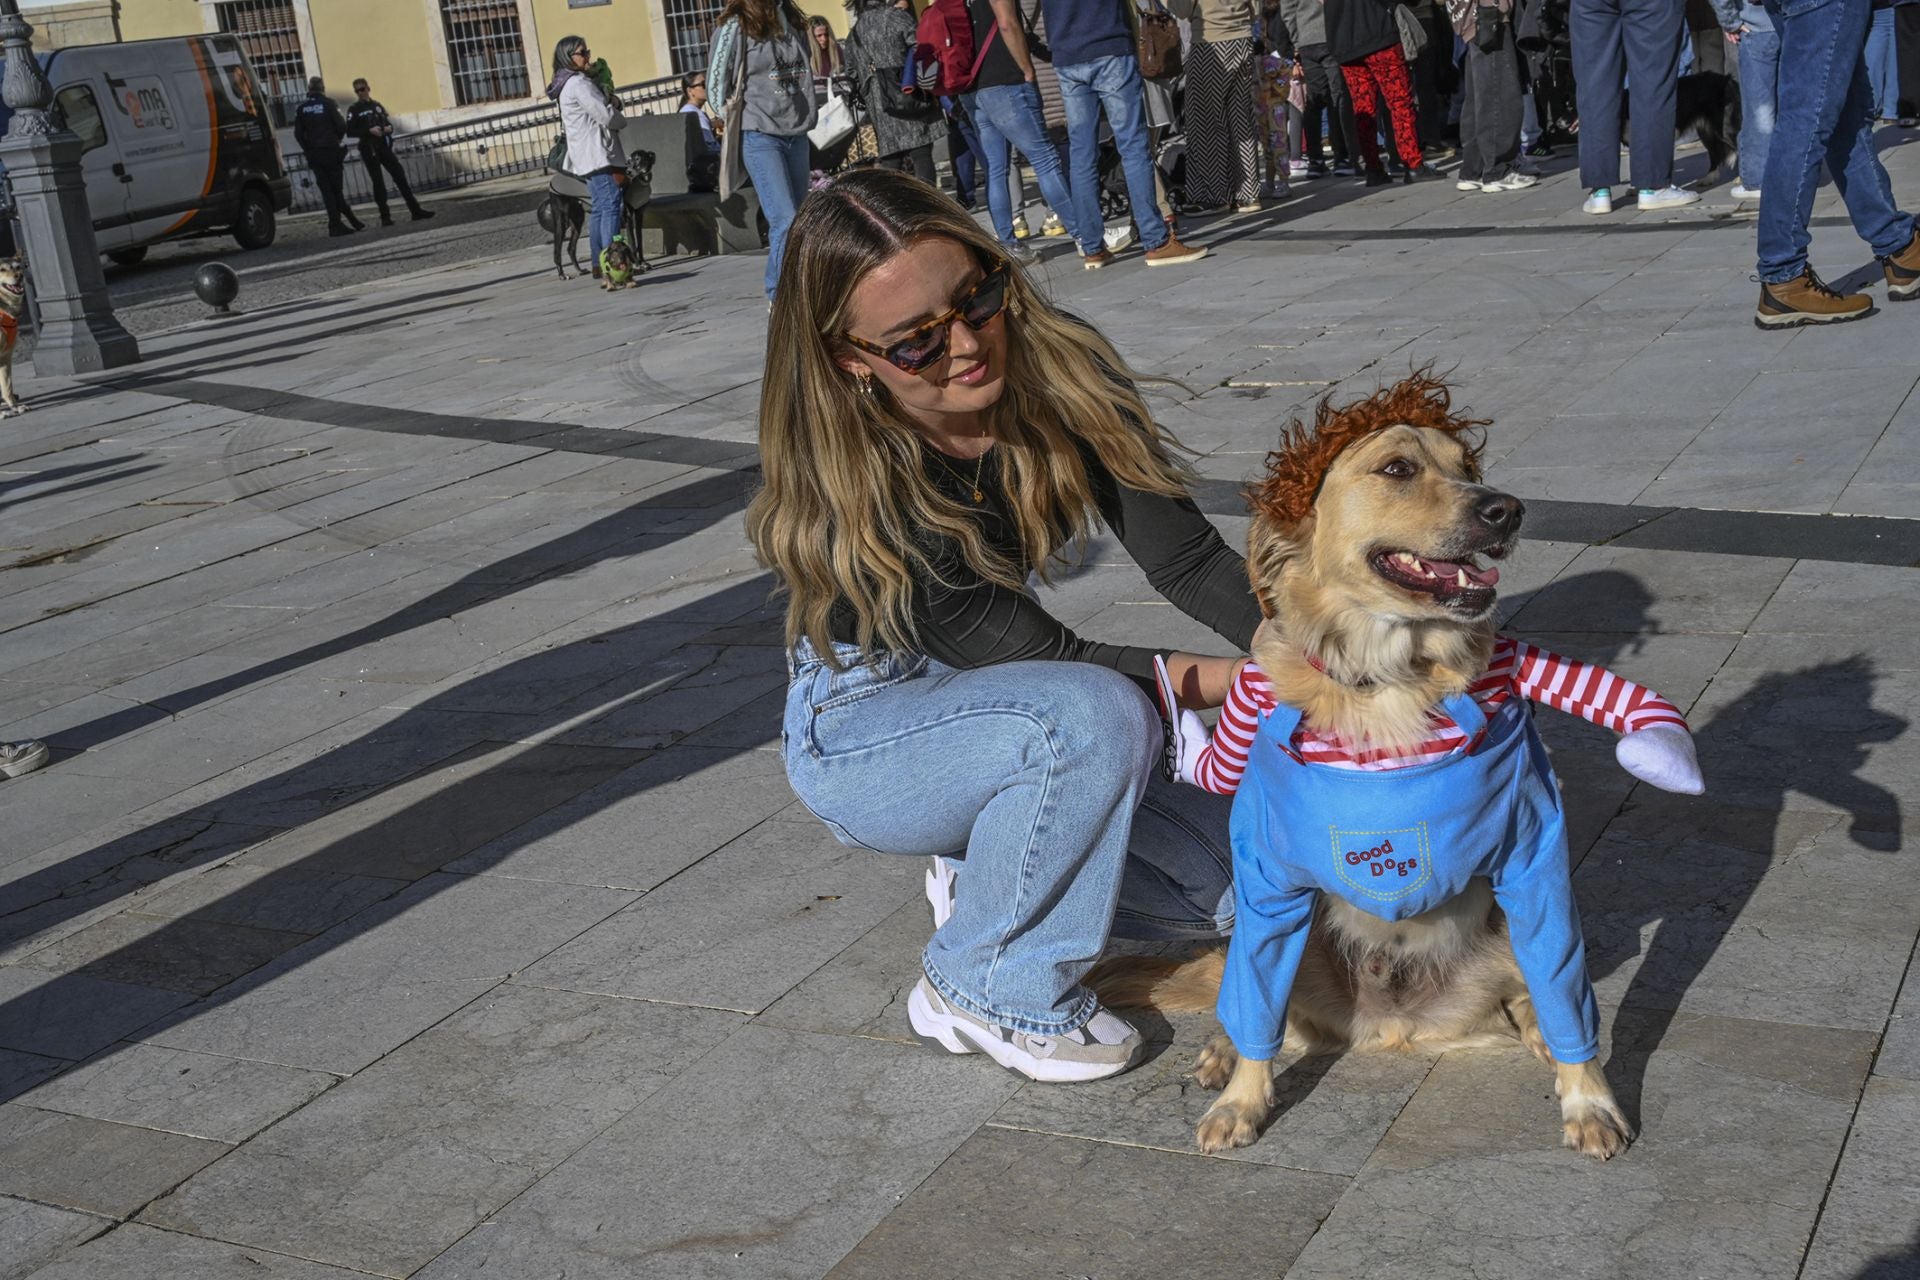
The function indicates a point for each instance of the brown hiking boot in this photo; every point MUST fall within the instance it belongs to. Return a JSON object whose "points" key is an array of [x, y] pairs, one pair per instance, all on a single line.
{"points": [[1903, 272], [1097, 259], [1805, 299], [1173, 253]]}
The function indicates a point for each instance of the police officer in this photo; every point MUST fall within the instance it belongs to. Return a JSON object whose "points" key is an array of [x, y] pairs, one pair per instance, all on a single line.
{"points": [[318, 129], [367, 120]]}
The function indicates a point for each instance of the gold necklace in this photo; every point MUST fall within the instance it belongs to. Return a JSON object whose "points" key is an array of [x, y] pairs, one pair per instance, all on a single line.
{"points": [[979, 465]]}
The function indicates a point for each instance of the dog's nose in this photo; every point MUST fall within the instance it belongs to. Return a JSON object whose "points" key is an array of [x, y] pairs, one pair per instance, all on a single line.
{"points": [[1501, 512]]}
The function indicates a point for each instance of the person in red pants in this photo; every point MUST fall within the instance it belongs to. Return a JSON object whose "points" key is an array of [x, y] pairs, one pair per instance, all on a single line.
{"points": [[1364, 38]]}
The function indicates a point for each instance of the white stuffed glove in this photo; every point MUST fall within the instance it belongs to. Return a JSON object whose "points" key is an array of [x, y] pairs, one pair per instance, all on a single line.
{"points": [[1663, 755], [1189, 738]]}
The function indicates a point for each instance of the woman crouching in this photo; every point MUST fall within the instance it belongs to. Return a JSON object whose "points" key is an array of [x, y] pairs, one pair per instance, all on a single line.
{"points": [[932, 431]]}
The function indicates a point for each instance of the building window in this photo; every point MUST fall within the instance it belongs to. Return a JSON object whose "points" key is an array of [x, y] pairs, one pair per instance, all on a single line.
{"points": [[690, 32], [484, 50], [271, 41]]}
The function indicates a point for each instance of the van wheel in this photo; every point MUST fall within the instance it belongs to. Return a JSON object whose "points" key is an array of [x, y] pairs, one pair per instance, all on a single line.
{"points": [[253, 226], [128, 257]]}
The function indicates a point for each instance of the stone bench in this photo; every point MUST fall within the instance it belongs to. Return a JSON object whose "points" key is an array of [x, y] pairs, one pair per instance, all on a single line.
{"points": [[679, 220]]}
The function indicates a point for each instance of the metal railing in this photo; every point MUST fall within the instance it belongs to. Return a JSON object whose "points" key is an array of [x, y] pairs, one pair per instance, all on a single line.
{"points": [[478, 150]]}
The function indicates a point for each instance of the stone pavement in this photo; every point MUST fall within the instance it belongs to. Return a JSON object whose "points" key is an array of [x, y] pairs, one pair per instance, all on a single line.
{"points": [[416, 890]]}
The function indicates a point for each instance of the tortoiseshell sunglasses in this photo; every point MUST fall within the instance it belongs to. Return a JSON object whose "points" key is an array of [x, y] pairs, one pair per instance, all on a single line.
{"points": [[928, 342]]}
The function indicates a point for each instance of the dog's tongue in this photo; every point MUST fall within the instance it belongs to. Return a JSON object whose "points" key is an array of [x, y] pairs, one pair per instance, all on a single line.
{"points": [[1449, 571]]}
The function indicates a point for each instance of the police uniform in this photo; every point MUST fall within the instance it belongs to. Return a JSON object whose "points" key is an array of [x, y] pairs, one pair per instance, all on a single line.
{"points": [[376, 153], [318, 129]]}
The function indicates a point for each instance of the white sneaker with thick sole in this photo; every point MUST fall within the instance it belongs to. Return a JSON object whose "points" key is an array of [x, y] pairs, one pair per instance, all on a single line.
{"points": [[1106, 1046], [17, 758], [942, 883], [1117, 238], [1467, 184], [1668, 198], [1741, 191], [1514, 181], [1600, 201]]}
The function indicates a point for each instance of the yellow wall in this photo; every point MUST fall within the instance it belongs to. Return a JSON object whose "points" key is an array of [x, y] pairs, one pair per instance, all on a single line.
{"points": [[387, 42], [621, 32], [149, 19]]}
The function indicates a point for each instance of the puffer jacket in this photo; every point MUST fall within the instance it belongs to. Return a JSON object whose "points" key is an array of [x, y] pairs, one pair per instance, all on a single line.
{"points": [[592, 122]]}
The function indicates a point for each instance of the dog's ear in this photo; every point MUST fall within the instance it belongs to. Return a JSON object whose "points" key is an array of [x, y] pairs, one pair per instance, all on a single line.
{"points": [[1270, 545]]}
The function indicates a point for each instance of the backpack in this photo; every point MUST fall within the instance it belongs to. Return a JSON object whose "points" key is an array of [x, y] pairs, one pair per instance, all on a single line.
{"points": [[944, 55]]}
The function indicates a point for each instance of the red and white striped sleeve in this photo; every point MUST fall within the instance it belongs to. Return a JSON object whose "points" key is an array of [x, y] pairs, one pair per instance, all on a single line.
{"points": [[1584, 689], [1224, 760]]}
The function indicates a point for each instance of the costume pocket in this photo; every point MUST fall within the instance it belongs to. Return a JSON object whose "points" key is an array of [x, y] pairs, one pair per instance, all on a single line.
{"points": [[1382, 866]]}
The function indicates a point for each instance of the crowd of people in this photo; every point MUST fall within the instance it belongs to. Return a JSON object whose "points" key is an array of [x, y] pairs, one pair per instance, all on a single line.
{"points": [[1260, 94]]}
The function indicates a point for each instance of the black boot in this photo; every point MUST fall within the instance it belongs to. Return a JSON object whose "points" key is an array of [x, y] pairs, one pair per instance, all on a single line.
{"points": [[386, 219], [421, 214], [339, 229], [354, 222]]}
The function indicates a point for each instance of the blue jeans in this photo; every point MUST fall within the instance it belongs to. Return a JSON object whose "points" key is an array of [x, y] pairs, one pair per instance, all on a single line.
{"points": [[1759, 81], [1883, 65], [778, 167], [603, 217], [1114, 83], [1825, 113], [1640, 39], [1045, 778], [1010, 114]]}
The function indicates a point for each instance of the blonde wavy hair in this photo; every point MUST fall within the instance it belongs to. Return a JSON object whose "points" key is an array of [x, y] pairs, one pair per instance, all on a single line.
{"points": [[847, 512]]}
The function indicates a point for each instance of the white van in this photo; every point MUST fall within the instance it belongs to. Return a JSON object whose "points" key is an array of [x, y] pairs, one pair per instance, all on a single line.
{"points": [[178, 141]]}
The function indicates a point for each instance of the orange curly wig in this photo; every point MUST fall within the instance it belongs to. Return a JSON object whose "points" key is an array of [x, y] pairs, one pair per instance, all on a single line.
{"points": [[1296, 470]]}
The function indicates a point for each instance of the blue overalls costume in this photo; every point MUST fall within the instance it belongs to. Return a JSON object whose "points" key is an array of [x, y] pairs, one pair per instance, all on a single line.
{"points": [[1396, 843]]}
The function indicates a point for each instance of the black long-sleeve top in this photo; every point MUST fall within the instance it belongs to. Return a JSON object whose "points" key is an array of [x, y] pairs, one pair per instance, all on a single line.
{"points": [[965, 620]]}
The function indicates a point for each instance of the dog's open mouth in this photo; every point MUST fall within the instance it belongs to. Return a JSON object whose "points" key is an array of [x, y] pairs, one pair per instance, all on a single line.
{"points": [[1463, 584]]}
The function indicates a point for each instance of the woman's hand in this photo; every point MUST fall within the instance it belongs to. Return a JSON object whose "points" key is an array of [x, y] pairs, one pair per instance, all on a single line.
{"points": [[1201, 682]]}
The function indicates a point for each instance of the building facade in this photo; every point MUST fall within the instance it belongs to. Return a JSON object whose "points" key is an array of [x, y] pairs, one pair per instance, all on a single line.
{"points": [[429, 61]]}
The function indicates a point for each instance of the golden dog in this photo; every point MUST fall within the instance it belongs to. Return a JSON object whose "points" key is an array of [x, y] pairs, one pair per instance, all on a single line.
{"points": [[1365, 640]]}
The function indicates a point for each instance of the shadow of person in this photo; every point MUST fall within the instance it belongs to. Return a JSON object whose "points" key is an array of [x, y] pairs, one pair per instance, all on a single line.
{"points": [[1903, 1264], [1784, 758]]}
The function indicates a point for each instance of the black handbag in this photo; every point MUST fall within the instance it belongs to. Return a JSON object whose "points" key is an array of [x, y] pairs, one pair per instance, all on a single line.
{"points": [[900, 104], [1488, 26]]}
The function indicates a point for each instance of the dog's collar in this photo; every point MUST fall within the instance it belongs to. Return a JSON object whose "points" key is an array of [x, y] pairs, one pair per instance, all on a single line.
{"points": [[1321, 667]]}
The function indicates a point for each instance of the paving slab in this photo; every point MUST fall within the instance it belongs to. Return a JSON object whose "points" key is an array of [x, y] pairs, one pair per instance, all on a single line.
{"points": [[1741, 1123], [31, 1234], [197, 1094], [131, 1249], [1006, 1199], [408, 1156], [740, 928], [91, 1165], [1870, 1225], [194, 956], [772, 1156], [353, 994], [72, 1016]]}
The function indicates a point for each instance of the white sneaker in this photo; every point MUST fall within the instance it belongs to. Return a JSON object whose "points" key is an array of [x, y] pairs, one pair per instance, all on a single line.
{"points": [[1514, 181], [942, 881], [1296, 168], [1601, 201], [17, 758], [1669, 198], [1117, 238], [1053, 228], [1105, 1046], [1741, 191], [1467, 184]]}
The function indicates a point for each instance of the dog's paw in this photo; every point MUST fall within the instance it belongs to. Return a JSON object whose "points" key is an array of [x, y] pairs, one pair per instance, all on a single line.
{"points": [[1595, 1127], [1225, 1126], [1214, 1066]]}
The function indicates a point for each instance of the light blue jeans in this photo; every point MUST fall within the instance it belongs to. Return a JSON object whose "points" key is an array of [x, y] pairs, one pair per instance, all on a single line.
{"points": [[1044, 778], [1759, 81], [778, 167], [603, 215], [1114, 83], [1883, 65], [1825, 113], [1011, 114]]}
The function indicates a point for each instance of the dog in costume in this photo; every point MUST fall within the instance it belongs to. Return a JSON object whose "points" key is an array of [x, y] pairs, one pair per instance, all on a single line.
{"points": [[1400, 852]]}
